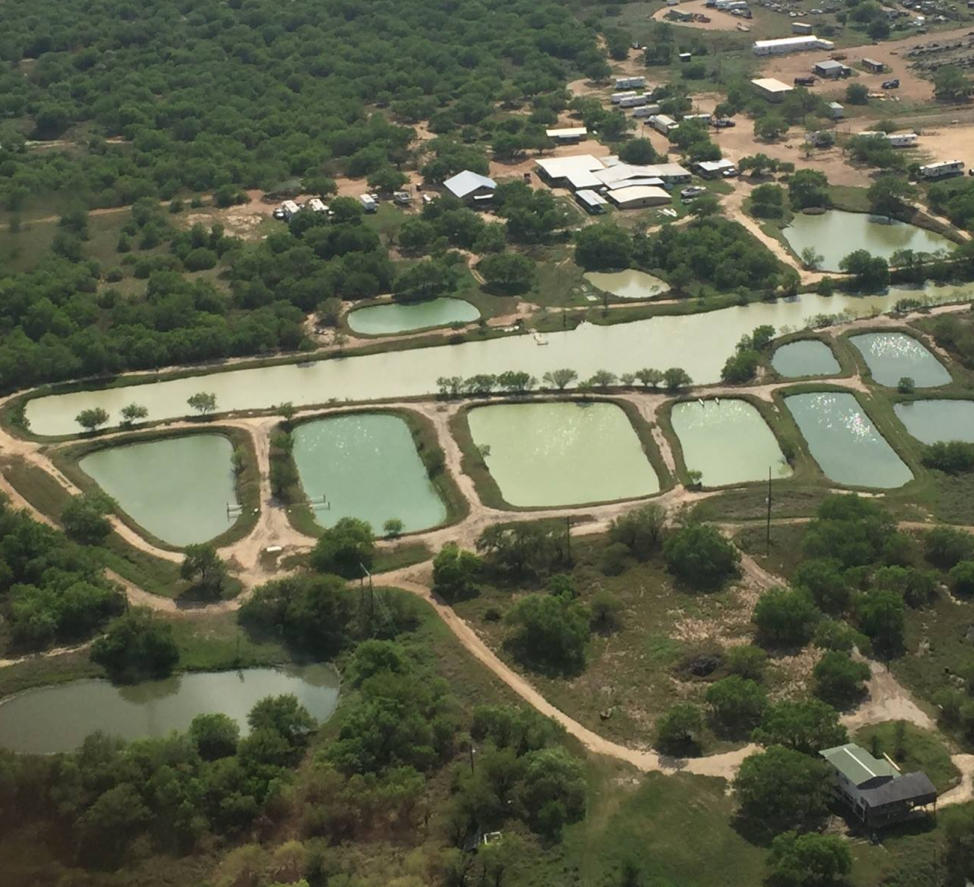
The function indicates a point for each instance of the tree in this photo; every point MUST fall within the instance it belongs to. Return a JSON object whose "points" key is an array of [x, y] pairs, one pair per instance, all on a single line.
{"points": [[601, 379], [552, 790], [550, 632], [768, 201], [785, 618], [639, 152], [962, 578], [839, 679], [640, 530], [805, 725], [811, 259], [387, 179], [809, 860], [91, 418], [649, 378], [889, 194], [603, 247], [906, 385], [115, 818], [345, 549], [455, 572], [881, 617], [137, 645], [677, 731], [676, 378], [823, 579], [946, 546], [770, 127], [392, 528], [870, 273], [559, 379], [203, 565], [214, 735], [740, 367], [857, 94], [705, 205], [507, 273], [747, 661], [807, 188], [737, 704], [700, 556], [781, 789], [133, 412], [950, 84], [284, 715], [84, 518], [203, 402]]}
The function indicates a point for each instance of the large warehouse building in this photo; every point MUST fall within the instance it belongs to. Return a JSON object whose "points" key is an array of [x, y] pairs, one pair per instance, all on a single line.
{"points": [[785, 45]]}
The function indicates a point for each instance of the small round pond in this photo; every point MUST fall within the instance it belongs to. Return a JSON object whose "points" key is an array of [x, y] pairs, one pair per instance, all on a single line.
{"points": [[845, 443], [177, 488], [628, 284], [836, 233], [365, 465], [932, 420], [891, 356], [727, 441], [806, 357], [382, 320], [58, 718], [548, 454]]}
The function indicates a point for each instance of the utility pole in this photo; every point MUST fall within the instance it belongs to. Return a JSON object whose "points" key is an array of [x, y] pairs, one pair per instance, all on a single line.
{"points": [[568, 536], [767, 535], [365, 572]]}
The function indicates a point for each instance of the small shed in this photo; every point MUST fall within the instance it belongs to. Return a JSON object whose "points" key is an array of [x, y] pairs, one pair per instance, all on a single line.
{"points": [[715, 169], [873, 66], [638, 196], [567, 136], [836, 111], [829, 68], [801, 28], [471, 187]]}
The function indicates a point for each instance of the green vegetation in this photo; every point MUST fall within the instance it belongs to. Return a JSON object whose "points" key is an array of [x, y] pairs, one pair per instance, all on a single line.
{"points": [[912, 748], [136, 647]]}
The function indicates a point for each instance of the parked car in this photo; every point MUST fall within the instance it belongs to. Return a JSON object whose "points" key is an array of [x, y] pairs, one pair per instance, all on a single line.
{"points": [[692, 191], [723, 122], [804, 81], [891, 84]]}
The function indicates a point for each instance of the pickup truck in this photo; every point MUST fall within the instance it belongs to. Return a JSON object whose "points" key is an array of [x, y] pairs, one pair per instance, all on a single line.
{"points": [[891, 84]]}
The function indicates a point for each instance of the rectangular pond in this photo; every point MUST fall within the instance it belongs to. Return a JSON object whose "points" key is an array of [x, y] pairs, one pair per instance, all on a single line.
{"points": [[727, 441], [932, 420], [383, 320], [366, 466], [845, 443], [177, 488], [806, 357], [891, 356], [550, 454], [700, 343]]}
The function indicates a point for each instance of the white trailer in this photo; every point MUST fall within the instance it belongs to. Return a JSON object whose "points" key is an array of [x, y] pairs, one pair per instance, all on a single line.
{"points": [[617, 97], [942, 170], [630, 82], [663, 123], [369, 203], [634, 101], [645, 111]]}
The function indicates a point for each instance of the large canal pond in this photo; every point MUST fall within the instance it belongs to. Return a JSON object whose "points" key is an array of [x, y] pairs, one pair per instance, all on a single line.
{"points": [[58, 718], [932, 420], [891, 356], [628, 284], [177, 488], [845, 443], [382, 320], [548, 454], [728, 441], [700, 343], [835, 234], [807, 357], [366, 466]]}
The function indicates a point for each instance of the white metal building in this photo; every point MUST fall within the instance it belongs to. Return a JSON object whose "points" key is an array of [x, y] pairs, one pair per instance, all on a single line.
{"points": [[941, 170], [638, 196], [591, 202], [771, 89], [785, 45], [569, 134], [470, 186]]}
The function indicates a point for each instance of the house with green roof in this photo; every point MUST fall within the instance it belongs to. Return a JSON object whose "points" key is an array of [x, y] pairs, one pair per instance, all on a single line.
{"points": [[874, 788]]}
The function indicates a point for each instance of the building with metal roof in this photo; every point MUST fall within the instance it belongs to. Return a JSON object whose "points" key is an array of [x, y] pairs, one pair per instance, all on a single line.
{"points": [[874, 788], [830, 68], [784, 45], [638, 196], [567, 134], [771, 89], [591, 202], [470, 186]]}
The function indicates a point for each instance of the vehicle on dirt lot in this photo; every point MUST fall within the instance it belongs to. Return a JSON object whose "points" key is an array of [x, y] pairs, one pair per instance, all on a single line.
{"points": [[891, 84], [692, 191]]}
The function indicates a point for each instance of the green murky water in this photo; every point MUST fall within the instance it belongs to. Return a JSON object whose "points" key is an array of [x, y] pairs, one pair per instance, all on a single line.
{"points": [[845, 443], [932, 420], [728, 441], [835, 234], [629, 284], [808, 357], [382, 320], [547, 454], [59, 717], [891, 356], [366, 466], [178, 488]]}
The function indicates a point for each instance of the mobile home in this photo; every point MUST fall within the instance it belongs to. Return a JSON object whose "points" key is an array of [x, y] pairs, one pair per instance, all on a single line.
{"points": [[942, 170], [369, 203], [630, 82], [634, 101]]}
